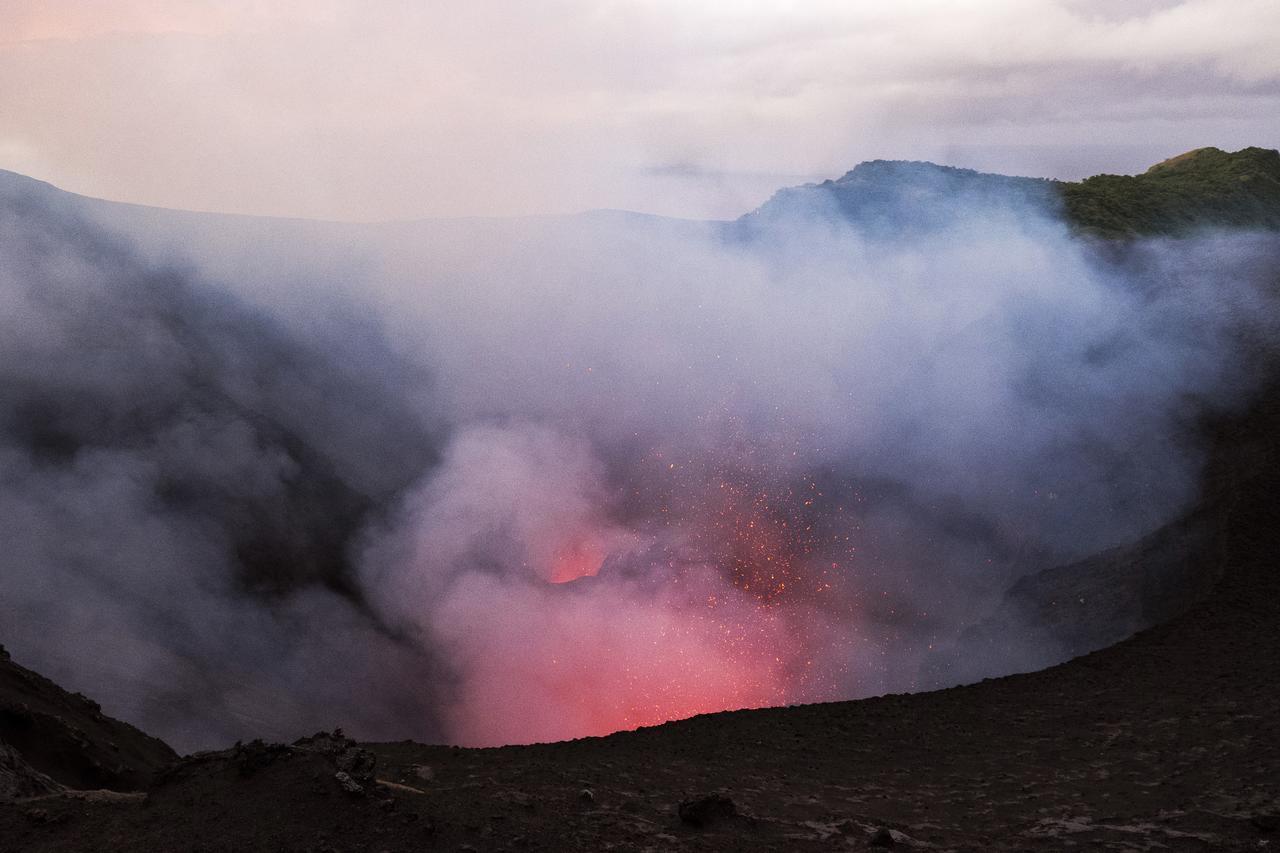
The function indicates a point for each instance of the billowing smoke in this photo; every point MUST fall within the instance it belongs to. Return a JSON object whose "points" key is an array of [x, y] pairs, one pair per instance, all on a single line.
{"points": [[522, 480], [178, 490]]}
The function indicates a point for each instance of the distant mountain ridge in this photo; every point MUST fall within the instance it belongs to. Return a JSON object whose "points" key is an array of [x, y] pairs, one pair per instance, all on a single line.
{"points": [[888, 197], [1206, 187], [1203, 188], [1199, 189]]}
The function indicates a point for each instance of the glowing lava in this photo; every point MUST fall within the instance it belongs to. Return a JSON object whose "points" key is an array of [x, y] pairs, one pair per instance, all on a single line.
{"points": [[713, 583], [579, 559], [730, 607], [567, 662]]}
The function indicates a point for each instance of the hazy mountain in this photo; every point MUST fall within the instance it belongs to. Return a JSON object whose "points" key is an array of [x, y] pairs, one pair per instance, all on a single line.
{"points": [[1204, 188], [884, 198]]}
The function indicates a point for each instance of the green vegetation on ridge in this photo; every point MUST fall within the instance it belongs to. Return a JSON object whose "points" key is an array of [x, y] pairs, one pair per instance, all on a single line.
{"points": [[1206, 187], [1202, 189]]}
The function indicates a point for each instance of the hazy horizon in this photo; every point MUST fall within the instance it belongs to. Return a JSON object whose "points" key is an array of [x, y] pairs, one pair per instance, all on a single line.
{"points": [[393, 110], [1133, 166]]}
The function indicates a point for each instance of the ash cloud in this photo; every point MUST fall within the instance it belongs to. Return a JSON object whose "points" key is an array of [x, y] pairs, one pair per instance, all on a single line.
{"points": [[178, 491], [512, 480]]}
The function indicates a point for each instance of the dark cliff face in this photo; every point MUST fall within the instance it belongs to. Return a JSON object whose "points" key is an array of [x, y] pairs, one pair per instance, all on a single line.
{"points": [[66, 737]]}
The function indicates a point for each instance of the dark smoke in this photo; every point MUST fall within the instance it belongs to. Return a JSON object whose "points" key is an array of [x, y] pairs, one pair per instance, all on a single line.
{"points": [[182, 480]]}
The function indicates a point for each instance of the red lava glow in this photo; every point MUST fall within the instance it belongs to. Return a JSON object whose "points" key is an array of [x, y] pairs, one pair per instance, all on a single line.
{"points": [[578, 559], [746, 616], [564, 666]]}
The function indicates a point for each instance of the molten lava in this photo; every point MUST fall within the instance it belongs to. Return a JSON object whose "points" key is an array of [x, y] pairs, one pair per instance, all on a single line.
{"points": [[730, 606], [578, 559]]}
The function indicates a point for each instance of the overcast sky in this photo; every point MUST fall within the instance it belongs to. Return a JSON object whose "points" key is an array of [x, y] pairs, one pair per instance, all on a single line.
{"points": [[378, 109]]}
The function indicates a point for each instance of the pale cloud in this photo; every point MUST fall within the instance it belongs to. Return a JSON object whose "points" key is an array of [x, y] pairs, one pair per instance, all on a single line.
{"points": [[392, 108], [38, 20]]}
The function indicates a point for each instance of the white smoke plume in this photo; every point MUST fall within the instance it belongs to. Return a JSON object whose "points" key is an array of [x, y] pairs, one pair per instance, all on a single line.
{"points": [[514, 480]]}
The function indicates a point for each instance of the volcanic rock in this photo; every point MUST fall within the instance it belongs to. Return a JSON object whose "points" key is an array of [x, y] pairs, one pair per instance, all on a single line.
{"points": [[706, 811], [359, 763], [18, 779], [66, 737], [1266, 822], [355, 766], [351, 786], [881, 838]]}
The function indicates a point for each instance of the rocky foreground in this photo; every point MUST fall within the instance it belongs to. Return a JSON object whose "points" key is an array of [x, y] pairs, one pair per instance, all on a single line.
{"points": [[1167, 741]]}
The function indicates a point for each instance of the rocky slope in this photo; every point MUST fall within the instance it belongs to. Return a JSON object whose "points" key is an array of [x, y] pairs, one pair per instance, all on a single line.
{"points": [[50, 737]]}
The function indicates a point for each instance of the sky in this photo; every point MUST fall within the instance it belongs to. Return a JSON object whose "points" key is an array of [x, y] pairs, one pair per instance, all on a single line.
{"points": [[391, 109]]}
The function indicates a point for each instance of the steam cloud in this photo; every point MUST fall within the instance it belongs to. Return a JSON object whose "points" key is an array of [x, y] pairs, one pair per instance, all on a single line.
{"points": [[505, 481]]}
